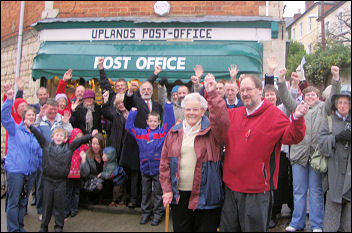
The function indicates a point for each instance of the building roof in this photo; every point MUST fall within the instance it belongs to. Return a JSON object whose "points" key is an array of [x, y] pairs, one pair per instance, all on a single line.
{"points": [[288, 20], [340, 3], [308, 10]]}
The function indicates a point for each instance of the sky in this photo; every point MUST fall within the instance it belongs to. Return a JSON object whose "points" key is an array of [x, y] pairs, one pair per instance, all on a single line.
{"points": [[292, 7]]}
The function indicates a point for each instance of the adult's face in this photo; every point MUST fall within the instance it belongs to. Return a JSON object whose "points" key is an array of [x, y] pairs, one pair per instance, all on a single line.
{"points": [[231, 91], [271, 96], [42, 96], [174, 97], [311, 98], [51, 112], [250, 95], [79, 92], [181, 93], [62, 103], [146, 91], [343, 105], [193, 112], [220, 89], [88, 101], [21, 107], [120, 106], [30, 115], [95, 145], [120, 87]]}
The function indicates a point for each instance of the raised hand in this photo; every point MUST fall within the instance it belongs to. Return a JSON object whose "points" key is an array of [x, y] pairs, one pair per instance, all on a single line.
{"points": [[67, 75], [282, 74], [20, 83], [100, 63], [133, 87], [272, 64], [295, 80], [27, 123], [94, 132], [66, 118], [75, 104], [233, 71], [198, 70], [43, 110], [10, 93], [195, 80], [157, 70], [7, 86], [106, 96], [335, 70], [210, 83], [301, 110]]}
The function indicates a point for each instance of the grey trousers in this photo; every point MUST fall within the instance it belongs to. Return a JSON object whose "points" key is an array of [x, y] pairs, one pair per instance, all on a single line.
{"points": [[245, 211], [147, 191], [337, 217]]}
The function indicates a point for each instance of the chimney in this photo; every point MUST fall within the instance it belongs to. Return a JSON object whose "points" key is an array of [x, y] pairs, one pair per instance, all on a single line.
{"points": [[296, 15], [309, 4]]}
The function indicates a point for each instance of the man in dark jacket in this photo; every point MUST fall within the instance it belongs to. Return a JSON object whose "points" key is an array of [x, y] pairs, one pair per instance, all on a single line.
{"points": [[57, 156]]}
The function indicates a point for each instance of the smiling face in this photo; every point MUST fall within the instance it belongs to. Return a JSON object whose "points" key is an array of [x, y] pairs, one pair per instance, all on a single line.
{"points": [[62, 103], [30, 115], [95, 145], [59, 138], [174, 97], [250, 95], [42, 95], [343, 105], [51, 112], [146, 91], [88, 101], [79, 92], [120, 87], [193, 112], [21, 107], [181, 93], [311, 98], [153, 122], [231, 91], [271, 96]]}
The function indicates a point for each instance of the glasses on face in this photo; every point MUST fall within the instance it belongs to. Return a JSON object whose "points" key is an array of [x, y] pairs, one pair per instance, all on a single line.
{"points": [[188, 110], [247, 90], [343, 103]]}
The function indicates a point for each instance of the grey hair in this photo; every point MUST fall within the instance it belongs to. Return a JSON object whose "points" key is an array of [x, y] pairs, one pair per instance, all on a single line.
{"points": [[195, 97], [147, 82]]}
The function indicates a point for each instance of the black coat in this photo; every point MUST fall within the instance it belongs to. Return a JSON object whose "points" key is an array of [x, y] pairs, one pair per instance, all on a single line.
{"points": [[78, 118], [115, 135], [57, 158]]}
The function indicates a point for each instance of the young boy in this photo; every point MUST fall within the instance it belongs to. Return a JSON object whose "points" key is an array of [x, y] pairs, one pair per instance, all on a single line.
{"points": [[73, 182], [112, 171], [150, 142], [57, 156]]}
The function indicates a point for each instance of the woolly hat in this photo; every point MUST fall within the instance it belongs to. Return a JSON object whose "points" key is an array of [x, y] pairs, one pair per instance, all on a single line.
{"points": [[334, 97], [89, 94], [61, 95], [174, 89]]}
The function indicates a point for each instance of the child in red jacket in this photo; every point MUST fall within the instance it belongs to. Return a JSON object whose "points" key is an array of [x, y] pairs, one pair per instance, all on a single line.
{"points": [[73, 183]]}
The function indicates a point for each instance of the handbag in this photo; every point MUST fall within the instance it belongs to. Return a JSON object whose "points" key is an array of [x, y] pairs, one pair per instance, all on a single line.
{"points": [[318, 161]]}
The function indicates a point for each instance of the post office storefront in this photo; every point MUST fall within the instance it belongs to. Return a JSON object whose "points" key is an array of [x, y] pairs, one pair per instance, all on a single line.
{"points": [[133, 47]]}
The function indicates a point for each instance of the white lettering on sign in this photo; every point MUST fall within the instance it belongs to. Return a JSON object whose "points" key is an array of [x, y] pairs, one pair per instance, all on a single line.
{"points": [[143, 63], [136, 34]]}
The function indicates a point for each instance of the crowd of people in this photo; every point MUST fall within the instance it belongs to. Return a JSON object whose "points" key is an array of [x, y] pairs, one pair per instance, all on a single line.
{"points": [[224, 155]]}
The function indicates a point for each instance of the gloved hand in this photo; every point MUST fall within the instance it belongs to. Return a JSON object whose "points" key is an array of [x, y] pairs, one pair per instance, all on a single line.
{"points": [[163, 81], [344, 135]]}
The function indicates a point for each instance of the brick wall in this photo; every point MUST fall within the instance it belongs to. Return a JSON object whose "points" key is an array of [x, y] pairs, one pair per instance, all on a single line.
{"points": [[10, 10]]}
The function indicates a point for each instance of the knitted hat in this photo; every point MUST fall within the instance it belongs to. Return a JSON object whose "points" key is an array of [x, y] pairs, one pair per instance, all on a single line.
{"points": [[174, 89], [89, 94], [59, 96]]}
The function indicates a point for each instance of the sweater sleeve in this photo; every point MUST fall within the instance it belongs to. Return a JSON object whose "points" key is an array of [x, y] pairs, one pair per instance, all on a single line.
{"points": [[294, 132], [6, 119], [39, 136], [169, 117], [335, 89], [130, 125], [61, 88], [218, 116], [79, 141], [289, 102]]}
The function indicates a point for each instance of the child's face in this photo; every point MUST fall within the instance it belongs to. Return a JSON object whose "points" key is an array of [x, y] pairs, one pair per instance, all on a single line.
{"points": [[153, 122], [59, 138], [105, 158]]}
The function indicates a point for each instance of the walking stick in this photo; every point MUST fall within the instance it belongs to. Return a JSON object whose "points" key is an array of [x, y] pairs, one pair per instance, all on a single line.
{"points": [[167, 216]]}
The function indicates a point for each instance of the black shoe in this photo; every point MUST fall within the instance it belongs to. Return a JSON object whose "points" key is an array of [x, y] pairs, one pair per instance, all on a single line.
{"points": [[33, 202], [67, 215], [73, 214], [272, 223], [156, 221], [144, 219]]}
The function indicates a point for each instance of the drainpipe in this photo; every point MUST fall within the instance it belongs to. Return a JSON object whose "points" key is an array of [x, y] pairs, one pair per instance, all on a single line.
{"points": [[19, 43]]}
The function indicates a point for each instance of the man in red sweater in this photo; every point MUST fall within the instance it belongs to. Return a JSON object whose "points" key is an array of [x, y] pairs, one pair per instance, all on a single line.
{"points": [[251, 164]]}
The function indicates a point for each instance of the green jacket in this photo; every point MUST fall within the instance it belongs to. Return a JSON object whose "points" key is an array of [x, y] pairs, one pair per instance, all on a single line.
{"points": [[110, 165], [300, 153]]}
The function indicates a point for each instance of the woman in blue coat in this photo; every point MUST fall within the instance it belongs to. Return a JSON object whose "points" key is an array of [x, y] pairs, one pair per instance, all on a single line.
{"points": [[22, 161]]}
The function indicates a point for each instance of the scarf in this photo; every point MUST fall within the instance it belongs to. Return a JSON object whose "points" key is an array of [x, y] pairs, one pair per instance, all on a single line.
{"points": [[89, 117]]}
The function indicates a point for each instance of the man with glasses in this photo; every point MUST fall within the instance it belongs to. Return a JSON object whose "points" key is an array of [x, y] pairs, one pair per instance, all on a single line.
{"points": [[253, 145]]}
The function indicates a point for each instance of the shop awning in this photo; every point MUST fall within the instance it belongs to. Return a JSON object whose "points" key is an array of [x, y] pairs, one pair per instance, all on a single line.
{"points": [[131, 60]]}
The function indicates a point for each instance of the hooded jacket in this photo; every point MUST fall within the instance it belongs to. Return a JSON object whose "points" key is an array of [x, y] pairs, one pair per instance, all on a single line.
{"points": [[76, 158], [253, 147], [24, 153], [110, 165]]}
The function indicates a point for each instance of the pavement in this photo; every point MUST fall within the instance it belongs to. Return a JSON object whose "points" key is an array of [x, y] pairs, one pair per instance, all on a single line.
{"points": [[100, 218]]}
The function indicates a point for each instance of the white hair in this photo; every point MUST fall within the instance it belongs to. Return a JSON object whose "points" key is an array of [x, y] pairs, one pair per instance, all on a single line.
{"points": [[195, 97]]}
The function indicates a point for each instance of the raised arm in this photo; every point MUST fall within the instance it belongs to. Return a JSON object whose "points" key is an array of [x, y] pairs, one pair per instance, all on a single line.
{"points": [[289, 102], [130, 124], [6, 118], [39, 136], [335, 88], [169, 117], [79, 141]]}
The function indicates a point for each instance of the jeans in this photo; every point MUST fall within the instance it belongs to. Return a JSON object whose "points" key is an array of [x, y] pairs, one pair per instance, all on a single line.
{"points": [[39, 192], [305, 178], [16, 203]]}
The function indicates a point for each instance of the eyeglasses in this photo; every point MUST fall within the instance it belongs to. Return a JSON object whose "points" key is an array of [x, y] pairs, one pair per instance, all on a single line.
{"points": [[247, 90]]}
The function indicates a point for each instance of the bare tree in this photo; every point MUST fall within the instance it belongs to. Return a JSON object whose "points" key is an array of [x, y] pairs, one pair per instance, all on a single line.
{"points": [[341, 30]]}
